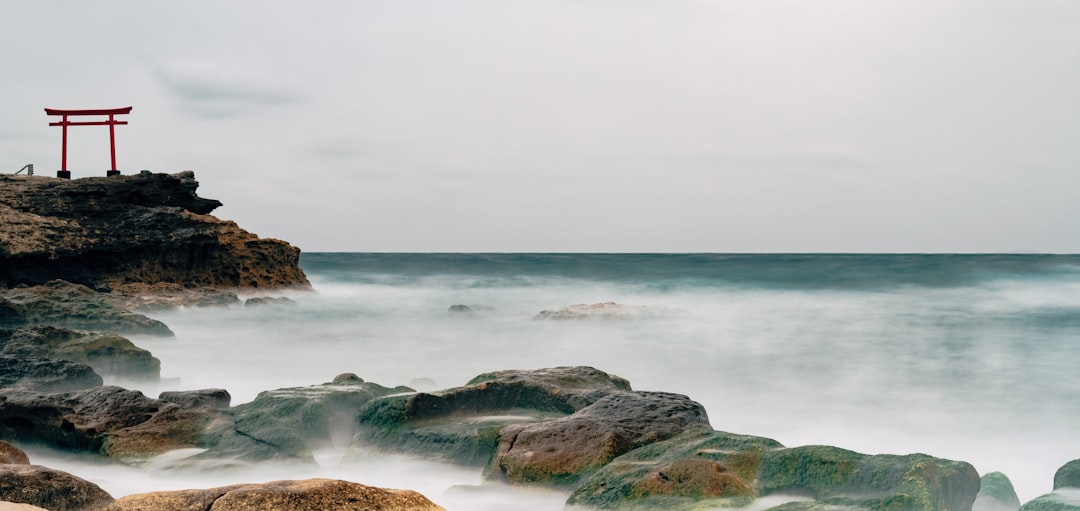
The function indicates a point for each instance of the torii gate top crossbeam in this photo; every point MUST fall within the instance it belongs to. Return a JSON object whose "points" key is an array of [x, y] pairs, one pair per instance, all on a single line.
{"points": [[98, 111]]}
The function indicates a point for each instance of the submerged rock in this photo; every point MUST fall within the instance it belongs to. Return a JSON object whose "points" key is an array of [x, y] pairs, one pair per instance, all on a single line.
{"points": [[602, 311], [461, 425], [996, 493], [698, 468], [75, 306], [292, 422], [305, 495], [1062, 499], [268, 300], [108, 354], [50, 489]]}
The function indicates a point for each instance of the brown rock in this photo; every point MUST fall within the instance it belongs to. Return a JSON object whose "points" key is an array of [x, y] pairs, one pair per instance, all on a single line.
{"points": [[559, 451], [144, 228], [11, 506], [51, 489], [62, 303], [11, 455], [310, 494], [108, 354]]}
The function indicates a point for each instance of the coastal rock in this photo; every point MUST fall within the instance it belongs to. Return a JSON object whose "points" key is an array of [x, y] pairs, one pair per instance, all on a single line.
{"points": [[108, 420], [603, 311], [268, 300], [305, 495], [839, 477], [50, 489], [461, 425], [460, 310], [996, 493], [1064, 499], [160, 296], [1068, 476], [214, 399], [560, 451], [75, 306], [45, 375], [696, 469], [108, 354], [11, 455], [105, 232], [292, 422], [11, 506]]}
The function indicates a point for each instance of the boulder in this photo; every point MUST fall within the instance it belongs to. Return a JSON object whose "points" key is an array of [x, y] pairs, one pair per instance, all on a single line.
{"points": [[50, 489], [11, 455], [292, 422], [108, 354], [459, 310], [45, 375], [214, 399], [693, 470], [1064, 499], [305, 495], [75, 306], [106, 232], [1068, 476], [560, 451], [461, 425], [108, 420], [603, 311], [268, 300], [996, 493], [839, 477]]}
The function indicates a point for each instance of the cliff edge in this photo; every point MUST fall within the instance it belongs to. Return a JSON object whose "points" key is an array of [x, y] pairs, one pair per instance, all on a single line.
{"points": [[147, 228]]}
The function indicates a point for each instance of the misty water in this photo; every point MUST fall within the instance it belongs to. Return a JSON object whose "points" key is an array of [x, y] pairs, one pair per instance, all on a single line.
{"points": [[962, 357]]}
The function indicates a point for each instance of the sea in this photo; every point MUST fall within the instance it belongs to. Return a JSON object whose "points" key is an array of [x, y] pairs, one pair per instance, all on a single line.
{"points": [[971, 357]]}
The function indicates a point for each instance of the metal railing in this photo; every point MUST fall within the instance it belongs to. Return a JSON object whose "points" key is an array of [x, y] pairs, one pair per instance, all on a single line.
{"points": [[29, 168]]}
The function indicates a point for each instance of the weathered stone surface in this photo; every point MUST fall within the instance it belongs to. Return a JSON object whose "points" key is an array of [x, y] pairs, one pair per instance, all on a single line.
{"points": [[215, 399], [108, 354], [1068, 476], [693, 470], [144, 228], [560, 451], [305, 495], [45, 375], [462, 424], [108, 420], [835, 476], [996, 493], [50, 489], [1064, 499], [11, 455], [269, 300], [604, 311], [11, 506], [75, 306], [292, 422]]}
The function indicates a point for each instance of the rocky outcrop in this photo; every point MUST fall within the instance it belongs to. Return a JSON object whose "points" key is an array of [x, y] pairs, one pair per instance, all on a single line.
{"points": [[50, 489], [136, 229], [213, 399], [1063, 499], [108, 420], [280, 496], [461, 425], [45, 375], [996, 493], [108, 354], [75, 306], [11, 455]]}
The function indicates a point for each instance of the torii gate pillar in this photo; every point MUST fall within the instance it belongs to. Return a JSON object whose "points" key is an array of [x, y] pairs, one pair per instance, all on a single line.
{"points": [[64, 123]]}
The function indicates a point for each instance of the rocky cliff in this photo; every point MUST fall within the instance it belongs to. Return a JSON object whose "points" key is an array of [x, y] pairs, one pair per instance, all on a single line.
{"points": [[148, 228]]}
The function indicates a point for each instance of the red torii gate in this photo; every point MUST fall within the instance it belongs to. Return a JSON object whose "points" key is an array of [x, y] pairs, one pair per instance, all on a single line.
{"points": [[64, 122]]}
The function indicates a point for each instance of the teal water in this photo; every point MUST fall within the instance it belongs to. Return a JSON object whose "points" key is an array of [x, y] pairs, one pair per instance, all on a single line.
{"points": [[969, 357]]}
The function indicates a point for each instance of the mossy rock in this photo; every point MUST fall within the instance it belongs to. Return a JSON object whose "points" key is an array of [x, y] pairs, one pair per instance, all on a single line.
{"points": [[914, 482], [1068, 476], [699, 469], [109, 354], [1060, 500], [996, 493]]}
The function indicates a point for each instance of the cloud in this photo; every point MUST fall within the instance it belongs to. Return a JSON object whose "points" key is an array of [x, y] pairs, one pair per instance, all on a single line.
{"points": [[215, 95]]}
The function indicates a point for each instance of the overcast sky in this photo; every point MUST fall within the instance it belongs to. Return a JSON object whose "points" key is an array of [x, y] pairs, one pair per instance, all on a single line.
{"points": [[578, 125]]}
